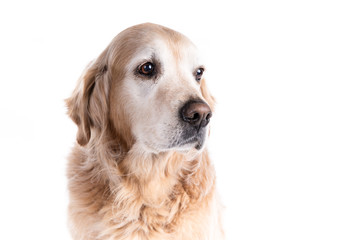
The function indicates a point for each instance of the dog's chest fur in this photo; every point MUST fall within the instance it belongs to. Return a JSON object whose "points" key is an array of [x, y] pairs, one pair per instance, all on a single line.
{"points": [[162, 198]]}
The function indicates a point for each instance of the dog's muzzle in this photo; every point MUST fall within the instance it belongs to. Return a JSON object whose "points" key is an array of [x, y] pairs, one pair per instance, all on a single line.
{"points": [[194, 117]]}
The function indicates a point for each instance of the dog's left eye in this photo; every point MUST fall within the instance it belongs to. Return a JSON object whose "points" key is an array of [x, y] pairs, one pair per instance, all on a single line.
{"points": [[147, 69], [198, 74]]}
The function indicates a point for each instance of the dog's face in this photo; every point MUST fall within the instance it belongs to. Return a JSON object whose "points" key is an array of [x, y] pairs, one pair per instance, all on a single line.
{"points": [[156, 90], [163, 76]]}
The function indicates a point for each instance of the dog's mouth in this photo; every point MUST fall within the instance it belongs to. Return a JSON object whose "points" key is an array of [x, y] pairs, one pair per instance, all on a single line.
{"points": [[190, 139], [190, 142]]}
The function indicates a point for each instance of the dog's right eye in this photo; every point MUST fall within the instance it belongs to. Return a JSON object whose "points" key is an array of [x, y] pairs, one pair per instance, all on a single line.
{"points": [[198, 74], [147, 69]]}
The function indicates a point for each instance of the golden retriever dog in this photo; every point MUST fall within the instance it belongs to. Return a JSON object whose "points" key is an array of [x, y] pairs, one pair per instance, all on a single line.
{"points": [[140, 169]]}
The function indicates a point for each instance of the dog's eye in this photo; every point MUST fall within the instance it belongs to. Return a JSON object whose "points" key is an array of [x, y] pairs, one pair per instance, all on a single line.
{"points": [[198, 74], [147, 69]]}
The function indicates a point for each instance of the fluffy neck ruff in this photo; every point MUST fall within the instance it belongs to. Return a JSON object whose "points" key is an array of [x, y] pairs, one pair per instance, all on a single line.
{"points": [[147, 192]]}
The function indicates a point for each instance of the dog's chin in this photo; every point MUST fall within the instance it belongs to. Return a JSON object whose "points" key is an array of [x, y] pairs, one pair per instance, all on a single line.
{"points": [[191, 144], [186, 142], [190, 141]]}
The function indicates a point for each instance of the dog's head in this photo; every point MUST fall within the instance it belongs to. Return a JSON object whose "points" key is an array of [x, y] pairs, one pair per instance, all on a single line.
{"points": [[146, 87]]}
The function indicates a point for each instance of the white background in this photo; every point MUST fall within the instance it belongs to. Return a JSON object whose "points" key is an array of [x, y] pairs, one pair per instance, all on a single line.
{"points": [[285, 137]]}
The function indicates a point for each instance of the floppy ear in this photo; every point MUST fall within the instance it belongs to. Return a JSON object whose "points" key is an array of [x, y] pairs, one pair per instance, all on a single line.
{"points": [[88, 105], [207, 95]]}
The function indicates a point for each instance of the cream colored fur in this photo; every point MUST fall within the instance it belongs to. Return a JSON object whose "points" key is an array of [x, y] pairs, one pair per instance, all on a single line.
{"points": [[124, 181]]}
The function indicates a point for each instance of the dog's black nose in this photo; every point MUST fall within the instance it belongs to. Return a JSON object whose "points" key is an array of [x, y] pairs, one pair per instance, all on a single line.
{"points": [[196, 113]]}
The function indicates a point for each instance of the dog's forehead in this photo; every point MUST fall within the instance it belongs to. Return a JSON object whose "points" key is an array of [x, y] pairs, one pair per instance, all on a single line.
{"points": [[146, 42], [180, 52]]}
